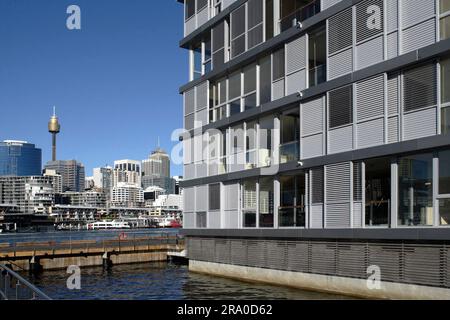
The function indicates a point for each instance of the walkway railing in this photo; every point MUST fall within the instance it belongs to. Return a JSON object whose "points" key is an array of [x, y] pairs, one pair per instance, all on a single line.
{"points": [[14, 287]]}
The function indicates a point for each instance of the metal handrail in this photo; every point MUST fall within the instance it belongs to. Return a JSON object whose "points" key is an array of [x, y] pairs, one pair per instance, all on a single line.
{"points": [[19, 282]]}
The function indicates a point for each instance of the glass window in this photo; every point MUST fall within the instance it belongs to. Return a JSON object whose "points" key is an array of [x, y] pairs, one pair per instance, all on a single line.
{"points": [[250, 79], [265, 90], [317, 194], [235, 107], [197, 50], [222, 91], [340, 107], [218, 45], [214, 196], [445, 121], [208, 55], [201, 4], [278, 64], [265, 141], [293, 11], [250, 102], [444, 6], [249, 203], [266, 203], [317, 57], [269, 19], [444, 212], [378, 191], [292, 202], [189, 6], [420, 87], [234, 86], [444, 172], [445, 80], [416, 190], [290, 137], [444, 26]]}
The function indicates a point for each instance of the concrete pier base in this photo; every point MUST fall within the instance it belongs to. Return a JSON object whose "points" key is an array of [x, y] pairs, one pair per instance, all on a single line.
{"points": [[321, 283]]}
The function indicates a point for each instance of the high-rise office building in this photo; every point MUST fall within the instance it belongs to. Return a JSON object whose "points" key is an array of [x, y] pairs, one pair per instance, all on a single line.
{"points": [[20, 158], [72, 174], [304, 117], [156, 171], [103, 178]]}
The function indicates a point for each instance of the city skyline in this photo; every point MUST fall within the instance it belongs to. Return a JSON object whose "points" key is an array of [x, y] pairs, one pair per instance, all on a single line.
{"points": [[78, 72]]}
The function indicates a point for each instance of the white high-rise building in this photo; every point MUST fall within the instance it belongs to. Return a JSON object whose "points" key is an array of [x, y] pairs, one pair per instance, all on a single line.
{"points": [[103, 178], [127, 171], [127, 195]]}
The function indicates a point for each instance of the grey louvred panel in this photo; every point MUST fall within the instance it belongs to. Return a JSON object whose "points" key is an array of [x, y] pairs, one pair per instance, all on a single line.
{"points": [[312, 146], [296, 55], [202, 17], [296, 82], [370, 98], [392, 45], [231, 196], [214, 219], [189, 101], [419, 124], [190, 26], [391, 15], [231, 219], [201, 118], [393, 94], [357, 182], [370, 133], [189, 199], [255, 36], [189, 171], [278, 89], [369, 53], [218, 36], [414, 11], [420, 87], [340, 140], [317, 185], [201, 200], [201, 169], [340, 107], [312, 116], [393, 130], [338, 215], [357, 215], [329, 3], [368, 22], [419, 36], [189, 220], [202, 95], [189, 121], [316, 216], [409, 263], [340, 35], [340, 64], [338, 182]]}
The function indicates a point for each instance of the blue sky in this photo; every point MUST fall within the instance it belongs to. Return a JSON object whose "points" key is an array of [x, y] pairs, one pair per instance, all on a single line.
{"points": [[114, 83]]}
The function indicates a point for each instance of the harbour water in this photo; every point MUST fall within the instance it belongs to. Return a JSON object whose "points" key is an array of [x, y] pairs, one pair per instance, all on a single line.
{"points": [[149, 281], [162, 281]]}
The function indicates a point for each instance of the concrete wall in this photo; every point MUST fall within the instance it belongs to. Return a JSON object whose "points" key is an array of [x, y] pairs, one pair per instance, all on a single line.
{"points": [[329, 284]]}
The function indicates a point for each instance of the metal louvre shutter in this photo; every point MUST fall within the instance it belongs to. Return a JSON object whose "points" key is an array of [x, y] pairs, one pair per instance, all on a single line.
{"points": [[188, 220], [255, 36], [223, 251], [393, 94], [392, 45], [418, 258], [189, 102], [194, 248], [214, 196], [357, 181], [296, 55], [391, 15], [420, 124], [317, 186], [202, 17], [340, 64], [214, 220], [350, 260], [393, 130], [329, 3], [312, 146], [255, 13], [189, 199], [256, 254], [420, 87], [312, 117], [340, 33], [316, 216], [231, 196], [200, 199], [201, 4], [340, 106], [357, 215], [239, 252], [370, 133], [370, 98], [414, 11], [297, 256], [419, 36], [388, 258], [338, 182], [370, 52], [276, 255], [363, 15], [323, 258], [202, 96], [208, 249], [189, 121]]}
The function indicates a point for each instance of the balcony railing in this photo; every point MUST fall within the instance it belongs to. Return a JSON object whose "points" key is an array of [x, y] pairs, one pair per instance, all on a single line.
{"points": [[14, 287], [290, 152], [317, 75], [300, 15]]}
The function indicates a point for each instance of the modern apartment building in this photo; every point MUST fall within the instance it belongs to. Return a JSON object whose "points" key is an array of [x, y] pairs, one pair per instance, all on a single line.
{"points": [[317, 142], [127, 196], [33, 194], [72, 174], [127, 171], [103, 178], [19, 158]]}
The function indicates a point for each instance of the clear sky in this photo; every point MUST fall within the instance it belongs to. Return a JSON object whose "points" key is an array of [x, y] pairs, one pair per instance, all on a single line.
{"points": [[114, 82]]}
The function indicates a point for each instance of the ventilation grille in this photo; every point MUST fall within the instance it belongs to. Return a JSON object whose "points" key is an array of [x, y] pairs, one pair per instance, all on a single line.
{"points": [[340, 31]]}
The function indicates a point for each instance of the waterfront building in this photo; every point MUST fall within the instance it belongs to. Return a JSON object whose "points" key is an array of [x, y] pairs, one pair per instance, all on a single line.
{"points": [[89, 183], [56, 180], [168, 205], [128, 172], [92, 199], [317, 131], [151, 194], [127, 195], [72, 174], [33, 194], [156, 171], [19, 158]]}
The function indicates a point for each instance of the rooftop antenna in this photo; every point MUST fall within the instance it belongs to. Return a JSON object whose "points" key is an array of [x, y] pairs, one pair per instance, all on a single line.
{"points": [[159, 145]]}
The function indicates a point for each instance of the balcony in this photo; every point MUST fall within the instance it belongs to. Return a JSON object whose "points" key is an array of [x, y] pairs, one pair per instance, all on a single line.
{"points": [[317, 75], [290, 152], [291, 216], [297, 11]]}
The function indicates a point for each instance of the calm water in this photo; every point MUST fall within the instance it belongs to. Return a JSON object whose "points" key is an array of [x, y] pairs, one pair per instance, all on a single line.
{"points": [[162, 281]]}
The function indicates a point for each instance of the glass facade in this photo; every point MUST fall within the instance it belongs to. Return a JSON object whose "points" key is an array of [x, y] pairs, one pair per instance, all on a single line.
{"points": [[20, 159]]}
